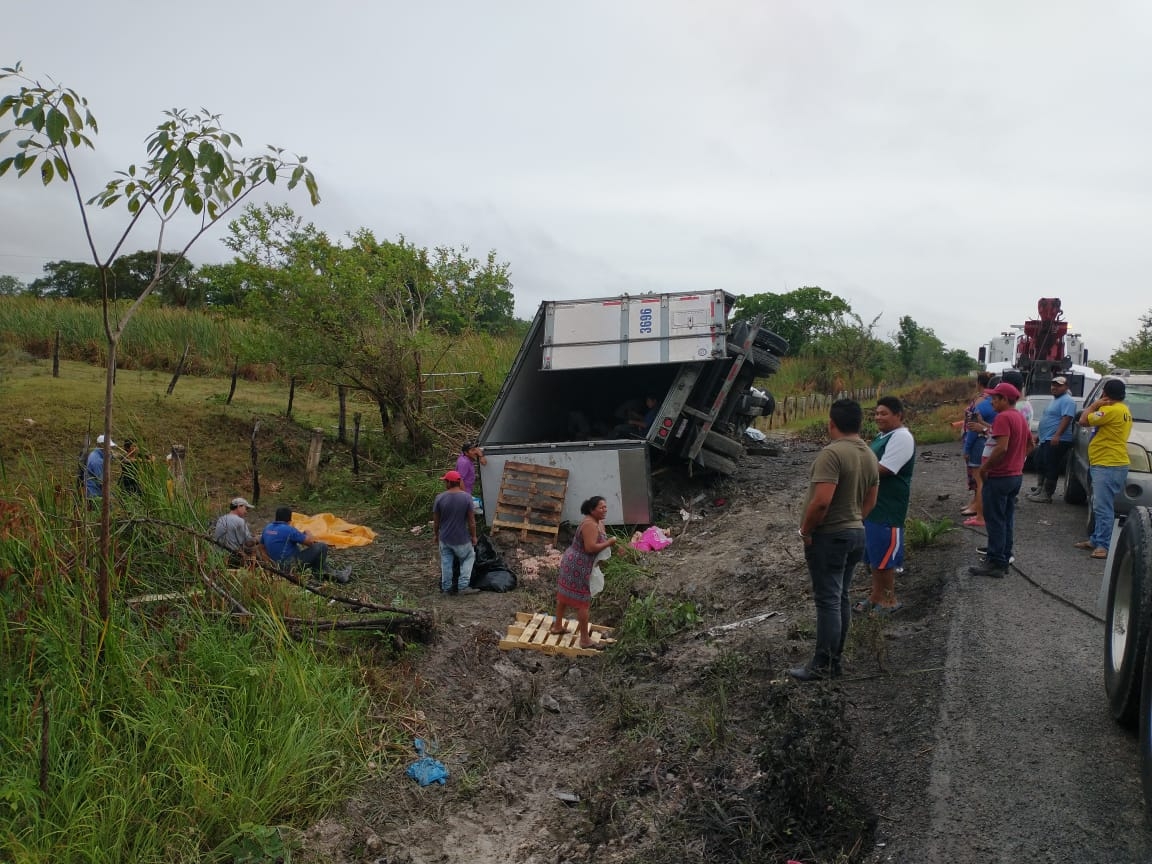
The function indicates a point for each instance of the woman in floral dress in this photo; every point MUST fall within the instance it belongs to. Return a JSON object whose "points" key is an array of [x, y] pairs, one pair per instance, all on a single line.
{"points": [[576, 568]]}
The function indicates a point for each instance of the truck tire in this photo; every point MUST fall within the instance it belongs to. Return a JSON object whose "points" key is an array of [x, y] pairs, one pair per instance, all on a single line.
{"points": [[717, 462], [1074, 492], [1144, 731], [763, 362], [770, 341], [723, 445], [1126, 622], [765, 339]]}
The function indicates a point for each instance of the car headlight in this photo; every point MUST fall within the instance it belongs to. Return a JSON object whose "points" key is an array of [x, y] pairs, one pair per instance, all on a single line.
{"points": [[1138, 459]]}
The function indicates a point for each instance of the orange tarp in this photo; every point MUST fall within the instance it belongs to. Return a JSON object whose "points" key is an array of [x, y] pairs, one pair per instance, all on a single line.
{"points": [[333, 530]]}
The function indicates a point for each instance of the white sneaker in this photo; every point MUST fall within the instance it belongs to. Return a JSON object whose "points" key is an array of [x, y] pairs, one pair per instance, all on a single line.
{"points": [[983, 550]]}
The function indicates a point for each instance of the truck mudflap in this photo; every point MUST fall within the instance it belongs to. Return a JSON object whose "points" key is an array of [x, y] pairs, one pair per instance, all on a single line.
{"points": [[617, 470]]}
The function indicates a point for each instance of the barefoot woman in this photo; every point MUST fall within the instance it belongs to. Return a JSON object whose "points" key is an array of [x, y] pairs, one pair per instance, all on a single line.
{"points": [[576, 568]]}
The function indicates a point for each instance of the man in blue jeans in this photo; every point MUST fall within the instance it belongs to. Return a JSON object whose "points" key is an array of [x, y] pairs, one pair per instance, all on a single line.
{"points": [[1053, 440], [1108, 461], [842, 490], [1003, 473], [454, 530]]}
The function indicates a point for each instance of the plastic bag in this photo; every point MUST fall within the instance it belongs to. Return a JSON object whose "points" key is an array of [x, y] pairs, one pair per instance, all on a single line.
{"points": [[652, 540], [493, 580], [596, 578], [426, 770]]}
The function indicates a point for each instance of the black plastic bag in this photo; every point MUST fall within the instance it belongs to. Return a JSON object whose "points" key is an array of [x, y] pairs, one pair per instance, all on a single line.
{"points": [[494, 580], [488, 557], [489, 572]]}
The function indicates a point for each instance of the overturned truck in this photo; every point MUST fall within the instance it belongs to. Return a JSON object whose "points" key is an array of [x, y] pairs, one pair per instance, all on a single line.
{"points": [[601, 387]]}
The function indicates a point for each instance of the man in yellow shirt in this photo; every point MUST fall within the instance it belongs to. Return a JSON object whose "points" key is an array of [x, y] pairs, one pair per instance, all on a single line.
{"points": [[1108, 460]]}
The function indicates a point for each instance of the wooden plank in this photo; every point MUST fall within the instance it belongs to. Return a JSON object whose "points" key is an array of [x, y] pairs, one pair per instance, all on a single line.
{"points": [[530, 631], [160, 598], [532, 468]]}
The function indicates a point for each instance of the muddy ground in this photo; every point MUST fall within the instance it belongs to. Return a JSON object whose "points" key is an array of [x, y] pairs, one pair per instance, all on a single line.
{"points": [[688, 746]]}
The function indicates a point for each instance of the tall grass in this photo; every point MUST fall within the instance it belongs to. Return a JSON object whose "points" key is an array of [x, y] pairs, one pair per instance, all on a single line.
{"points": [[154, 339], [174, 732]]}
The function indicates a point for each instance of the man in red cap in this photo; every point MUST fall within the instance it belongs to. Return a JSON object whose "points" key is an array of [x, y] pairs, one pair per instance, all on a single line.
{"points": [[454, 529], [1003, 473]]}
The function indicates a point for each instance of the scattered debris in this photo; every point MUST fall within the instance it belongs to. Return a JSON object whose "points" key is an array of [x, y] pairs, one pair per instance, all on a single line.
{"points": [[426, 770], [736, 625]]}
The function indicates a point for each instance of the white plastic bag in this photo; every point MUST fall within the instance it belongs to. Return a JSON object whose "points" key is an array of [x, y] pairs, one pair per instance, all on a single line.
{"points": [[596, 578]]}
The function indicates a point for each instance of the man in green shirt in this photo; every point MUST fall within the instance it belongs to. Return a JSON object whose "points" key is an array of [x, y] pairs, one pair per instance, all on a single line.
{"points": [[842, 491]]}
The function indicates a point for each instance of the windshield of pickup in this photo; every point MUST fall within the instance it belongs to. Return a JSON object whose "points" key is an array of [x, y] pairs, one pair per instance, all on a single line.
{"points": [[1139, 401]]}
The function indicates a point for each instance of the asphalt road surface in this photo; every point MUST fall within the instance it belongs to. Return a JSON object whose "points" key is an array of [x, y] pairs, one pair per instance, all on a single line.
{"points": [[1028, 765]]}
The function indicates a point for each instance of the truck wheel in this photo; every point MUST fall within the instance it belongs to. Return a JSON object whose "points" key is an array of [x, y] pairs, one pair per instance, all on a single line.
{"points": [[716, 462], [767, 339], [724, 445], [1126, 624], [1074, 492], [763, 362], [1145, 729]]}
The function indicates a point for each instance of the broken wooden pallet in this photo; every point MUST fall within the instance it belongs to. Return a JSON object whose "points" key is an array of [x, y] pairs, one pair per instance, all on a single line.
{"points": [[531, 499], [531, 631]]}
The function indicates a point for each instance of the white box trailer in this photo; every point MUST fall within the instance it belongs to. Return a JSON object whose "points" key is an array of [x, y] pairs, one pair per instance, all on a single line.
{"points": [[583, 359]]}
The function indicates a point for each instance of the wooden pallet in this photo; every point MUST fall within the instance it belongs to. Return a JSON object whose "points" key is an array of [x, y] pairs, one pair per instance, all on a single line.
{"points": [[531, 499], [531, 631]]}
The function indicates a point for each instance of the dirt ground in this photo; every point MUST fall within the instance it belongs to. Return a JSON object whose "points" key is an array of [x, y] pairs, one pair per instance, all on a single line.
{"points": [[688, 747]]}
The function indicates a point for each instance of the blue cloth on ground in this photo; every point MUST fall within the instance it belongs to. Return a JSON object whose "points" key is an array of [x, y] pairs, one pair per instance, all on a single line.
{"points": [[426, 770]]}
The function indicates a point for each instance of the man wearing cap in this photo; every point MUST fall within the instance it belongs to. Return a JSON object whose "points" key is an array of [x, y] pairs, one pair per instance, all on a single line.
{"points": [[94, 469], [1108, 460], [1003, 472], [470, 454], [233, 534], [1054, 437], [454, 530]]}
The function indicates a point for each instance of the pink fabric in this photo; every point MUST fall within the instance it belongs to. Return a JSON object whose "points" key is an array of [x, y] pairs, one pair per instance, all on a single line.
{"points": [[652, 540]]}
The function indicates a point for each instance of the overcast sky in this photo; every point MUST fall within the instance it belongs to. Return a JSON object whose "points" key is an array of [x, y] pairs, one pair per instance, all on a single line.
{"points": [[952, 162]]}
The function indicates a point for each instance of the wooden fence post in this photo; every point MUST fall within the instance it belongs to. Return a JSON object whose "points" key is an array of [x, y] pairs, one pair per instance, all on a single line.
{"points": [[254, 455], [232, 389], [312, 469], [56, 356], [342, 391], [291, 395], [179, 369], [356, 443]]}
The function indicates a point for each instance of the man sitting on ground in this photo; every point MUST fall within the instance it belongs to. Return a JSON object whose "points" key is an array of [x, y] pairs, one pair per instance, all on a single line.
{"points": [[287, 545], [233, 534]]}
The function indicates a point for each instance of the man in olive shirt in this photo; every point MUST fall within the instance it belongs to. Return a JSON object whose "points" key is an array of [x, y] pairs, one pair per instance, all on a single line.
{"points": [[842, 490]]}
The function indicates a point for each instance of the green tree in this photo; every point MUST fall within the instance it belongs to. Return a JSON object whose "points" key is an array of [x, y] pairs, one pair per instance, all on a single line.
{"points": [[959, 362], [468, 294], [74, 280], [136, 273], [800, 316], [849, 356], [10, 286], [1135, 352], [190, 165], [908, 342]]}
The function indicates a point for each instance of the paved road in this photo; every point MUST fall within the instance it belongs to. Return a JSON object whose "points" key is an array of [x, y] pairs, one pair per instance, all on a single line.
{"points": [[1028, 766]]}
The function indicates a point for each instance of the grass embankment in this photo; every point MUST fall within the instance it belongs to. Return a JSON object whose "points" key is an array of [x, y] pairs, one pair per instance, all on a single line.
{"points": [[176, 734]]}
